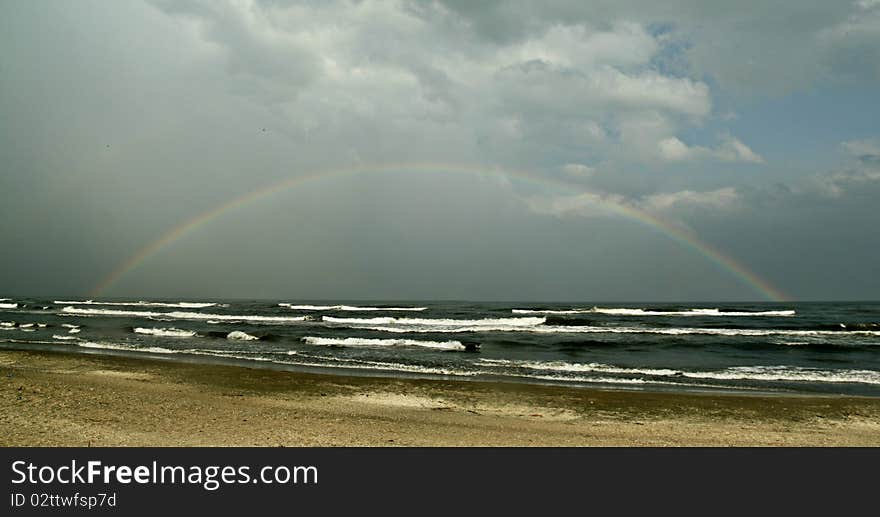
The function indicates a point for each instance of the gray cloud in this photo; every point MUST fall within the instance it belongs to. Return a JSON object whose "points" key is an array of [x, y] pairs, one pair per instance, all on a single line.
{"points": [[129, 119]]}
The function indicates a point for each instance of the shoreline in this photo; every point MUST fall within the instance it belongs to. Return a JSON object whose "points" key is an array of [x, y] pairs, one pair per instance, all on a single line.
{"points": [[54, 398], [324, 370]]}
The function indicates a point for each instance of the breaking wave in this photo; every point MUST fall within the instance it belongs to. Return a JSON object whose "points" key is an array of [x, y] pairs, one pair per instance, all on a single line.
{"points": [[561, 366], [643, 312], [8, 305], [182, 305], [182, 315], [353, 341], [163, 332], [351, 308], [238, 335], [464, 326], [487, 322], [752, 373]]}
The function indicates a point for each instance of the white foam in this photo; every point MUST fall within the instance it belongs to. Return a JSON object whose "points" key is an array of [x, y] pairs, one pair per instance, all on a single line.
{"points": [[308, 307], [163, 332], [7, 323], [353, 341], [182, 305], [350, 364], [74, 331], [595, 380], [241, 336], [8, 305], [562, 329], [5, 299], [790, 373], [26, 325], [561, 366], [689, 312], [643, 312], [64, 338], [110, 346], [70, 325], [42, 325], [352, 308], [437, 322], [548, 311], [759, 373], [182, 315]]}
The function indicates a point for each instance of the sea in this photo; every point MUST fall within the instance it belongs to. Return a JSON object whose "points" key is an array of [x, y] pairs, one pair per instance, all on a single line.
{"points": [[784, 348]]}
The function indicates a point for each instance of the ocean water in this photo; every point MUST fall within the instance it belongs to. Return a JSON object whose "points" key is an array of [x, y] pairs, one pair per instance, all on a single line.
{"points": [[830, 348]]}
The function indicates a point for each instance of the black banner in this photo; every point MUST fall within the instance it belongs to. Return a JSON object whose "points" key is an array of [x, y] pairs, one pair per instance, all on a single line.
{"points": [[62, 481]]}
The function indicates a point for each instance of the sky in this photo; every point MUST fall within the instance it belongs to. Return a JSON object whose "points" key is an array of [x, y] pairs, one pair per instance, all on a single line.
{"points": [[517, 150]]}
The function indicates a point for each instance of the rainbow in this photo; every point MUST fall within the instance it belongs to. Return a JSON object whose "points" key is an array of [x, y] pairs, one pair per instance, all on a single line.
{"points": [[679, 235]]}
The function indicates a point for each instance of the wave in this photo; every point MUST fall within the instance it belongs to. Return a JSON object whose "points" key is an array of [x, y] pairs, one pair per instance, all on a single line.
{"points": [[643, 312], [70, 325], [182, 305], [8, 305], [589, 329], [753, 373], [488, 322], [790, 373], [165, 332], [352, 308], [353, 341], [182, 315], [361, 364], [7, 324], [238, 335], [110, 346], [63, 338], [561, 366], [849, 327], [247, 356]]}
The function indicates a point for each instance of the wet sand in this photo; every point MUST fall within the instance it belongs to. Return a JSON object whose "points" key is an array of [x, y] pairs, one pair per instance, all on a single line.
{"points": [[68, 399]]}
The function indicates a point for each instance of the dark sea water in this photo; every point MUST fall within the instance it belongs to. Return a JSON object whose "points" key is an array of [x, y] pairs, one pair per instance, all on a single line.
{"points": [[831, 348]]}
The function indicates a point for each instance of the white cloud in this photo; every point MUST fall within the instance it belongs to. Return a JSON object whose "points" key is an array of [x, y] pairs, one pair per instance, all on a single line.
{"points": [[730, 150], [721, 198], [592, 204], [675, 150]]}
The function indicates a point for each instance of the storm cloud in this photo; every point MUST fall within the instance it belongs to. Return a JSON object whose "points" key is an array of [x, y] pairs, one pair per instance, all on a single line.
{"points": [[752, 127]]}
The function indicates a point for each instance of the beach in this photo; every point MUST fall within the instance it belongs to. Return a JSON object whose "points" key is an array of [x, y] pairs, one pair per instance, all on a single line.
{"points": [[75, 399]]}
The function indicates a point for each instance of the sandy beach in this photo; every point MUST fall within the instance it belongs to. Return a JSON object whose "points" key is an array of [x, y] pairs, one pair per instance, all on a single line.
{"points": [[66, 399]]}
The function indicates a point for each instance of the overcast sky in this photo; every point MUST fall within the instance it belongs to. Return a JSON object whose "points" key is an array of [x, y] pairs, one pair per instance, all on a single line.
{"points": [[752, 126]]}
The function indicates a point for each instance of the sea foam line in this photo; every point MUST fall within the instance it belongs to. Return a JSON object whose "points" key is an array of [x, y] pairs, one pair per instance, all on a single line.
{"points": [[182, 305], [755, 373], [439, 322], [643, 312], [562, 329], [182, 315], [165, 332], [353, 341], [351, 308]]}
